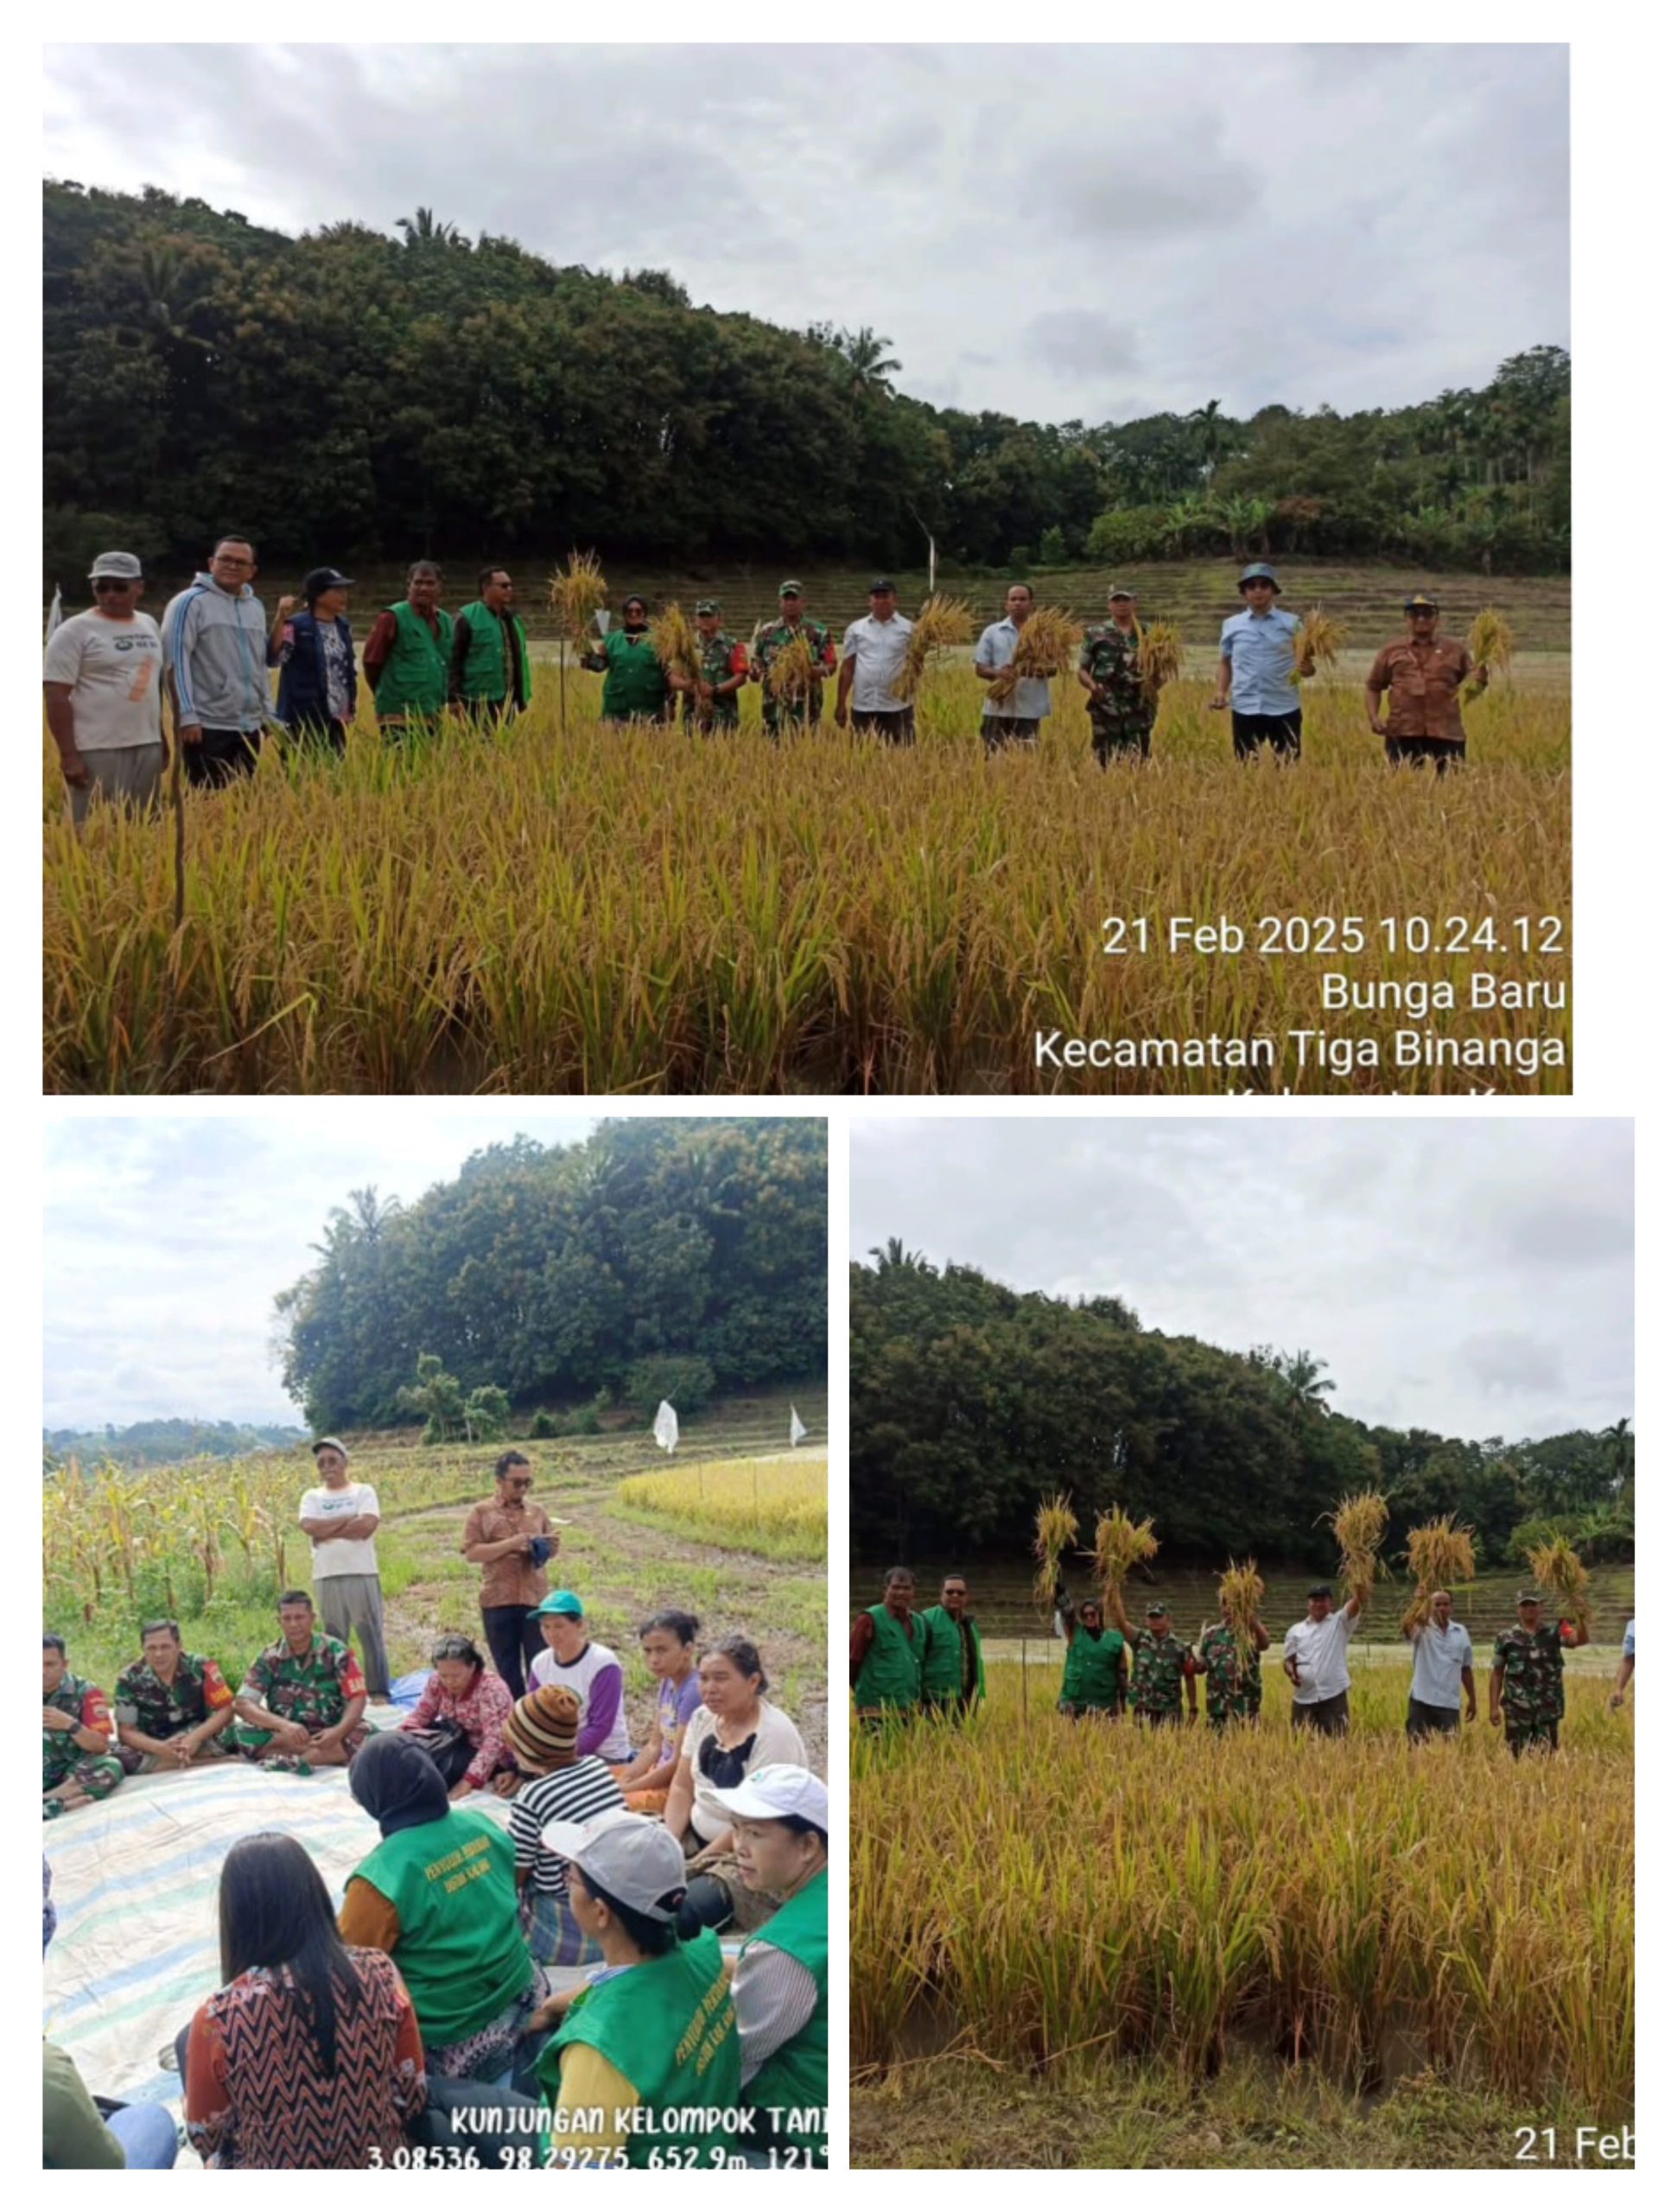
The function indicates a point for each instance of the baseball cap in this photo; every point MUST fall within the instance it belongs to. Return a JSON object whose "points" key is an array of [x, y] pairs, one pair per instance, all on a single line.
{"points": [[1156, 1610], [1320, 1590], [881, 584], [328, 1444], [774, 1793], [559, 1601], [126, 565], [319, 580], [707, 607], [1119, 591], [791, 588], [632, 1858], [1258, 572], [1420, 602], [1531, 1597]]}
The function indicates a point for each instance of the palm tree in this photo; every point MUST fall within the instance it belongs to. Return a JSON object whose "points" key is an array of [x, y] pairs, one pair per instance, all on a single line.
{"points": [[895, 1253], [1304, 1378], [1212, 435], [422, 228], [871, 368]]}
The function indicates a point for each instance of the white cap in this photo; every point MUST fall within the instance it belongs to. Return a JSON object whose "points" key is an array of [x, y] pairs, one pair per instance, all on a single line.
{"points": [[774, 1793], [634, 1860]]}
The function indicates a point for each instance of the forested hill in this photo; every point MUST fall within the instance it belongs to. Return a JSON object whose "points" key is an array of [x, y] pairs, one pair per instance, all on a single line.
{"points": [[970, 1402], [549, 1271], [163, 1443], [348, 394]]}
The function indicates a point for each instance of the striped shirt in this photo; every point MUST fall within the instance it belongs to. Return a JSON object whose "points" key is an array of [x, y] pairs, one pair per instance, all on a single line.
{"points": [[582, 1792]]}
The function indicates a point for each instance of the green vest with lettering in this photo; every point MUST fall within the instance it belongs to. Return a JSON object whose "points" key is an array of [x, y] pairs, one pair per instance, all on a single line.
{"points": [[415, 679], [668, 2026], [461, 1951], [484, 676], [793, 2080], [1092, 1665], [889, 1675], [943, 1666], [635, 681]]}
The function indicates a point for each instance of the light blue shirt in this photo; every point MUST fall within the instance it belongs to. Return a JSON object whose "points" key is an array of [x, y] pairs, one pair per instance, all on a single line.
{"points": [[1440, 1655], [996, 648], [1260, 648], [1631, 1639]]}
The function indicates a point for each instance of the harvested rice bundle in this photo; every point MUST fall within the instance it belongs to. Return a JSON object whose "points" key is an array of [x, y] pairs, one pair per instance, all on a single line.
{"points": [[942, 622], [792, 673], [1561, 1572], [1159, 657], [1047, 641], [576, 593], [1359, 1528], [1490, 646], [1440, 1555], [676, 647], [1317, 639], [1056, 1527], [1242, 1591], [1120, 1545]]}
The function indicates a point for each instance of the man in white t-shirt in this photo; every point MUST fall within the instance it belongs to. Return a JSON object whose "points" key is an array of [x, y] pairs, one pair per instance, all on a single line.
{"points": [[875, 649], [339, 1519], [1444, 1668], [1316, 1663], [103, 679]]}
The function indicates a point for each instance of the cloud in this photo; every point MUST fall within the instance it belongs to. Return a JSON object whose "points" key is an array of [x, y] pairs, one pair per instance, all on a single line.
{"points": [[1080, 341], [1510, 1360]]}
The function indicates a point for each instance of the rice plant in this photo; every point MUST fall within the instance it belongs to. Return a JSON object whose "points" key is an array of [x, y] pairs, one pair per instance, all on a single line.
{"points": [[774, 1506]]}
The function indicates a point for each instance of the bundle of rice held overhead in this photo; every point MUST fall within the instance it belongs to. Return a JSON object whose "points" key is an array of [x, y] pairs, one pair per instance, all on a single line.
{"points": [[1242, 1591], [1491, 646], [1056, 1527], [1317, 639], [1047, 640], [942, 623], [1120, 1545], [1440, 1557], [576, 593], [1159, 657], [1359, 1528], [791, 675], [1561, 1572], [676, 647]]}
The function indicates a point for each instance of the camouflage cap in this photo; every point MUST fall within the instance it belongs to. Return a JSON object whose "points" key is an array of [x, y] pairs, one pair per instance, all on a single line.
{"points": [[1420, 602], [791, 588], [1156, 1612], [708, 607], [1531, 1597], [1119, 591]]}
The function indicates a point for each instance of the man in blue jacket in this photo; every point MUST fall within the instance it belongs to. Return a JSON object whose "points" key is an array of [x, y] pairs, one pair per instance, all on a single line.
{"points": [[215, 649], [316, 655]]}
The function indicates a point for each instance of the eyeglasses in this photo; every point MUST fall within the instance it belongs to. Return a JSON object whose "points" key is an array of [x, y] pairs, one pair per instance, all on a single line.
{"points": [[114, 583]]}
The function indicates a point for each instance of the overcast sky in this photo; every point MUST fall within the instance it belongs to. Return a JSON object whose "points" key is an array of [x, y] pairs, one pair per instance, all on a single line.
{"points": [[166, 1241], [1057, 233], [1472, 1277]]}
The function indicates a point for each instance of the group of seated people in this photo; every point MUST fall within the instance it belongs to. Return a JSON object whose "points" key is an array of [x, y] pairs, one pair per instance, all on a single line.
{"points": [[437, 1983]]}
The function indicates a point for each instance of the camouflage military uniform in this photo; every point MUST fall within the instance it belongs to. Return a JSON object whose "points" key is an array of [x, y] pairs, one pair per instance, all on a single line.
{"points": [[1161, 1664], [62, 1759], [719, 657], [313, 1690], [772, 640], [161, 1710], [1123, 720], [1234, 1687], [1532, 1698]]}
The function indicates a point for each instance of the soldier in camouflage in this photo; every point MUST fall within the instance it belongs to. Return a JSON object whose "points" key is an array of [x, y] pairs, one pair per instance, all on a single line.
{"points": [[724, 664], [78, 1762], [1121, 715], [1526, 1691], [1163, 1664], [772, 639], [1234, 1675]]}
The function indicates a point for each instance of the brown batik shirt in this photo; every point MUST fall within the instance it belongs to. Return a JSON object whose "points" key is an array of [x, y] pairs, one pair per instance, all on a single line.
{"points": [[1423, 681], [512, 1580]]}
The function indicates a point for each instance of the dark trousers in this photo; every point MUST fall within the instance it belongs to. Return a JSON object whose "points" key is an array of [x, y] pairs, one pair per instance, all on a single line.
{"points": [[895, 727], [1432, 1719], [318, 736], [1442, 752], [1000, 731], [1329, 1716], [221, 756], [1533, 1736], [514, 1640], [490, 714], [1284, 732], [1111, 744]]}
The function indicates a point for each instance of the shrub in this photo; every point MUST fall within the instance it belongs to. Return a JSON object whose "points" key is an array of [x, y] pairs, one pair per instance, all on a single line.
{"points": [[543, 1425], [686, 1382]]}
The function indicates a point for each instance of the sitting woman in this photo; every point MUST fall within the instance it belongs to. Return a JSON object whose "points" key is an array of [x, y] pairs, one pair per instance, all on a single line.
{"points": [[459, 1719], [541, 1734], [575, 1661], [668, 1644], [309, 2055], [734, 1729], [438, 1894]]}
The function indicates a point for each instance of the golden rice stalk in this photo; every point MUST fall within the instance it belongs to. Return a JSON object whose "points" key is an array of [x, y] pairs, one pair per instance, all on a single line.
{"points": [[792, 673], [1561, 1572], [1056, 1527], [1317, 639], [676, 647], [1120, 1545], [942, 622], [1489, 645], [576, 594], [1359, 1528], [1439, 1555], [1047, 641], [1242, 1591], [1159, 657]]}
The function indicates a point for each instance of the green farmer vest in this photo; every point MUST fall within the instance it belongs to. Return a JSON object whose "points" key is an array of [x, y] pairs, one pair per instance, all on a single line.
{"points": [[941, 1672], [668, 2026], [1091, 1667], [889, 1675], [484, 676], [792, 2080], [415, 679], [461, 1952], [635, 681]]}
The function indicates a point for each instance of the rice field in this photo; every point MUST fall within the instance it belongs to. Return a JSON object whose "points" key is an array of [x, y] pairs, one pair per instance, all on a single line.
{"points": [[611, 911], [1057, 1902], [777, 1507]]}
